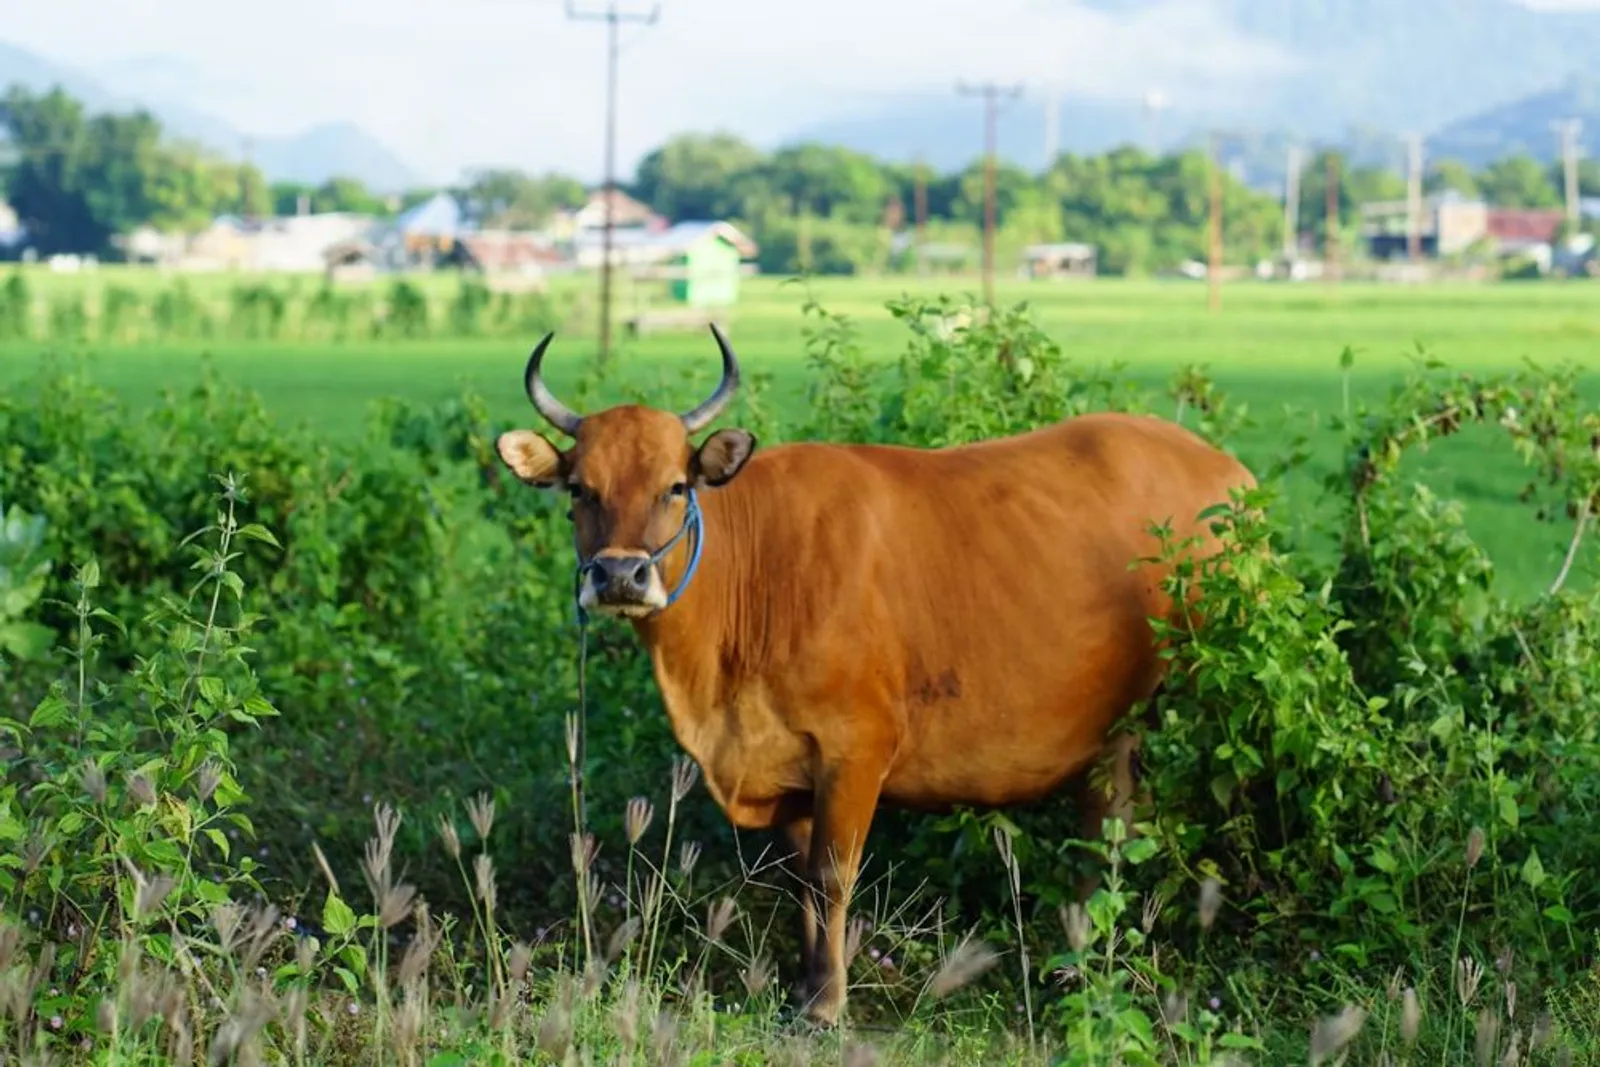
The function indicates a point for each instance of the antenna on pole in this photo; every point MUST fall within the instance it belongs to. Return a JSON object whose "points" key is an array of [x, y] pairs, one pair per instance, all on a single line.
{"points": [[611, 16], [992, 94]]}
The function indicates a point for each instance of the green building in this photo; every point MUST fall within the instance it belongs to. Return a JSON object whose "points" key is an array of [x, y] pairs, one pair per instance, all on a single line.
{"points": [[703, 262]]}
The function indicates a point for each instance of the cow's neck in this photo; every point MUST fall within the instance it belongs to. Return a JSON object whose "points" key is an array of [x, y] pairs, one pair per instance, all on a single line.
{"points": [[689, 642]]}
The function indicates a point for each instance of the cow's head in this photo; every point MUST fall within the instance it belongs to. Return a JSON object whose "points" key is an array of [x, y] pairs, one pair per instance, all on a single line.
{"points": [[631, 472]]}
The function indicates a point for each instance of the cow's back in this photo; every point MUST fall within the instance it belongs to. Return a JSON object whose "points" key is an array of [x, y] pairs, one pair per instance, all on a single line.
{"points": [[981, 595]]}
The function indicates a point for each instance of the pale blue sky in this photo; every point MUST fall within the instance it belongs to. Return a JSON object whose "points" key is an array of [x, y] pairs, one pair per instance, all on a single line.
{"points": [[449, 83]]}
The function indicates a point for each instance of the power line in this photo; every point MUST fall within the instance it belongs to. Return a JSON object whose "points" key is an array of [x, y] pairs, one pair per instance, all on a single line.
{"points": [[611, 16], [992, 94]]}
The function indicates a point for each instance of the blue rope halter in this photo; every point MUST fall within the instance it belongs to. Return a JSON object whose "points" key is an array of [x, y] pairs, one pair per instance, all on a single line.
{"points": [[693, 520]]}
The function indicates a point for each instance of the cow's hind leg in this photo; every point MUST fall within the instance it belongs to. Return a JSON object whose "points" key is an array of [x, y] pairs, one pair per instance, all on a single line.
{"points": [[1112, 799], [847, 796]]}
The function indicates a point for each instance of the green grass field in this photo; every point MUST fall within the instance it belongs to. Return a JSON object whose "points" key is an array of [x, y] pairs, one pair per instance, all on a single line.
{"points": [[1274, 347]]}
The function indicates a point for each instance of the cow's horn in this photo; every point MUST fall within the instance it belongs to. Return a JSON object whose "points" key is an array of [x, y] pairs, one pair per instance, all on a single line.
{"points": [[701, 417], [559, 415]]}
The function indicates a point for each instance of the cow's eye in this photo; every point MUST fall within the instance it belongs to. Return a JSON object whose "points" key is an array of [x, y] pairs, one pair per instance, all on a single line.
{"points": [[678, 489]]}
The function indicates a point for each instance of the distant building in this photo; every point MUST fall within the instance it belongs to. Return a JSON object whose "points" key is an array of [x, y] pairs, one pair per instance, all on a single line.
{"points": [[1062, 260], [640, 247], [1448, 224], [628, 215]]}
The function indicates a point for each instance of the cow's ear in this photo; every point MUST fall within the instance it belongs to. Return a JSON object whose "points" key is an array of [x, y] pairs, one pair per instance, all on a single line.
{"points": [[532, 458], [721, 456]]}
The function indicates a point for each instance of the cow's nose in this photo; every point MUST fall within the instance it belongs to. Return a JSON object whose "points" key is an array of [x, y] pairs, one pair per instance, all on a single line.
{"points": [[621, 577]]}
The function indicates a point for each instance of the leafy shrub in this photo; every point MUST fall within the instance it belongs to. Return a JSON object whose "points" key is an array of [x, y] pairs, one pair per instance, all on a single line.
{"points": [[1375, 776]]}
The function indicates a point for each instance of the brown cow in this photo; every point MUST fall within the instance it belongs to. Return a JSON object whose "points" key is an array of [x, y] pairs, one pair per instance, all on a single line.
{"points": [[837, 626]]}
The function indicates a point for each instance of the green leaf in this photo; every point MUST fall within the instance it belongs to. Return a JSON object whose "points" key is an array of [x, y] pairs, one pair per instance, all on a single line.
{"points": [[348, 979], [52, 711], [1140, 849], [256, 532], [1556, 913], [337, 918], [219, 839], [212, 689], [26, 640], [1533, 870], [1508, 810]]}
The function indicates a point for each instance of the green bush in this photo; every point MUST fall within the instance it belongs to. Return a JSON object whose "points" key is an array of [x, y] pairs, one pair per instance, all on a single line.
{"points": [[1370, 782]]}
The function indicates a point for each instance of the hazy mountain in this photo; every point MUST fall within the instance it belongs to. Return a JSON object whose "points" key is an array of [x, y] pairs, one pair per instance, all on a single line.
{"points": [[1524, 126], [313, 155], [1366, 72]]}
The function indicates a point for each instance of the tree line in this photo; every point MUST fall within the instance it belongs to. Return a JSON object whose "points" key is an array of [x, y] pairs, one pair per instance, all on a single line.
{"points": [[77, 180]]}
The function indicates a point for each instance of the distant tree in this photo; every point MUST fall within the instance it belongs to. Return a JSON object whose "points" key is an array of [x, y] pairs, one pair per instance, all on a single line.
{"points": [[700, 176], [1450, 175], [347, 194], [510, 199], [828, 180], [1518, 181], [47, 187], [1356, 186]]}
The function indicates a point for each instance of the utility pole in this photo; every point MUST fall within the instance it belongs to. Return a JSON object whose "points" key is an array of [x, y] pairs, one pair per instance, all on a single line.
{"points": [[1570, 129], [1291, 206], [1214, 269], [919, 197], [1330, 251], [1052, 127], [1414, 197], [991, 94], [611, 16]]}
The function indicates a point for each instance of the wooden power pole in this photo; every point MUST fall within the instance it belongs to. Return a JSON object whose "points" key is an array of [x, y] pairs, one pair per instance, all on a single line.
{"points": [[992, 95], [1214, 266], [611, 16], [919, 209], [1330, 250], [1570, 129], [1414, 197]]}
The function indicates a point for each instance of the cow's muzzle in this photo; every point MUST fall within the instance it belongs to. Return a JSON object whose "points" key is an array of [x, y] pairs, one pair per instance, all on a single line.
{"points": [[622, 583]]}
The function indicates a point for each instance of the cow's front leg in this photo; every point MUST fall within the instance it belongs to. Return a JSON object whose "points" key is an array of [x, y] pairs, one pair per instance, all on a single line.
{"points": [[796, 827], [846, 797]]}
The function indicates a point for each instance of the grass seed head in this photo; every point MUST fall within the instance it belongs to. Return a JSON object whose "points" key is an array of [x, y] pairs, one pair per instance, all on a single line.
{"points": [[1486, 1037], [969, 960], [622, 937], [142, 790], [1474, 847], [94, 781], [394, 907], [1075, 921], [480, 810], [1210, 901], [1330, 1035], [483, 872], [451, 839], [685, 772], [688, 856], [636, 819], [1469, 972], [206, 780], [1410, 1015], [756, 977], [517, 965]]}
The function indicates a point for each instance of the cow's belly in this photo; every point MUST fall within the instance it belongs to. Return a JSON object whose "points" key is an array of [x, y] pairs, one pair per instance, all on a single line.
{"points": [[1008, 730]]}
